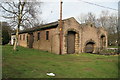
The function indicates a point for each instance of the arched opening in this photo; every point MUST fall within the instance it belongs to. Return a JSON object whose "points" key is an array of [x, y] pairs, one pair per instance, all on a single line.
{"points": [[71, 42], [71, 39], [102, 41], [89, 47]]}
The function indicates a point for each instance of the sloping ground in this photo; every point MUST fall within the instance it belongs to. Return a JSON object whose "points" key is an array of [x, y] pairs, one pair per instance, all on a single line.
{"points": [[31, 63]]}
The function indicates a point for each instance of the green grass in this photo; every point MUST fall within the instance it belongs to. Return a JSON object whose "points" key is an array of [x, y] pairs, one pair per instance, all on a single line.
{"points": [[31, 63], [113, 47]]}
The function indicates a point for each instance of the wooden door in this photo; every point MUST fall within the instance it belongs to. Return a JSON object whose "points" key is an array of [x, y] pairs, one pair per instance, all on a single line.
{"points": [[89, 48], [71, 42], [30, 40]]}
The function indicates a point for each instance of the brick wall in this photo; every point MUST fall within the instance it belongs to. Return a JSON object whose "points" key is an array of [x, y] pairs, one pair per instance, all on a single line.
{"points": [[22, 40], [51, 45]]}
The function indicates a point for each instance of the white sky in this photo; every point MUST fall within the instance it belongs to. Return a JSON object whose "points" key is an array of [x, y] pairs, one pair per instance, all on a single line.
{"points": [[73, 8], [78, 0]]}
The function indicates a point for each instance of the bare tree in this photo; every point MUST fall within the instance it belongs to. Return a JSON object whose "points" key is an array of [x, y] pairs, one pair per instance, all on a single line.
{"points": [[82, 18], [90, 17], [103, 19], [20, 14], [113, 19]]}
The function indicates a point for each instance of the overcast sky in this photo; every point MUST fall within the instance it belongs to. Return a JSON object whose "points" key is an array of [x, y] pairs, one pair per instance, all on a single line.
{"points": [[73, 8]]}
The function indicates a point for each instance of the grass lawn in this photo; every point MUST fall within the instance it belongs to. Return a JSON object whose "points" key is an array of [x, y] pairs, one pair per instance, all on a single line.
{"points": [[31, 63]]}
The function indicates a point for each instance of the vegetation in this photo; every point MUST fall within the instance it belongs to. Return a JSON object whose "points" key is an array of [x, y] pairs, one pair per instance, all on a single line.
{"points": [[5, 37], [108, 52], [113, 46], [6, 30], [31, 63]]}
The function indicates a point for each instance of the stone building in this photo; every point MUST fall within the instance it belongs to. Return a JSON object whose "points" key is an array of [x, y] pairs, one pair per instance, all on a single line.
{"points": [[77, 38]]}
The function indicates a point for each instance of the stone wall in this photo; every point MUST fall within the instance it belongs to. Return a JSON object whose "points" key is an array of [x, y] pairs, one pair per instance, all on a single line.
{"points": [[102, 31], [89, 33], [84, 33], [71, 25]]}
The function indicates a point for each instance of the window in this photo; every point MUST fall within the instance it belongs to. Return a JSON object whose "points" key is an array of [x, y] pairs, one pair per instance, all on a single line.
{"points": [[91, 25], [24, 37], [47, 35], [38, 36], [20, 37]]}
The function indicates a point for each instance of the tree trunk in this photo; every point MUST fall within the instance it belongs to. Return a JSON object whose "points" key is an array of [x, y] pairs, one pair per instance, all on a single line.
{"points": [[16, 40]]}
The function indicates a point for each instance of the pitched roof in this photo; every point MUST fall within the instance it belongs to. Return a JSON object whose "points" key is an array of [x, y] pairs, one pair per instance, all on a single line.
{"points": [[43, 27]]}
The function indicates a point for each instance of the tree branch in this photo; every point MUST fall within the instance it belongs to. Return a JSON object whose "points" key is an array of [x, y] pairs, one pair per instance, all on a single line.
{"points": [[8, 17], [8, 10]]}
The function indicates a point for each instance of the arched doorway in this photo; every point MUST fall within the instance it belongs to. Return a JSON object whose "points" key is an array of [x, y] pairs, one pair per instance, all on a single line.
{"points": [[89, 47], [71, 42], [102, 41]]}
